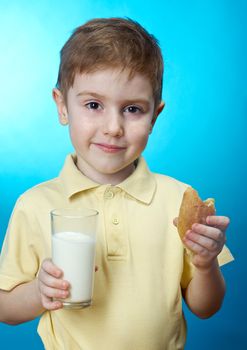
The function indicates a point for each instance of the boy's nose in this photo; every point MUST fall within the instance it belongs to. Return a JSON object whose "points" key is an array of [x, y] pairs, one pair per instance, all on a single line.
{"points": [[113, 124]]}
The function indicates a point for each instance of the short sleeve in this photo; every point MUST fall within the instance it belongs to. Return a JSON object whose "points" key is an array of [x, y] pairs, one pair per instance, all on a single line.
{"points": [[188, 270], [225, 256], [19, 262]]}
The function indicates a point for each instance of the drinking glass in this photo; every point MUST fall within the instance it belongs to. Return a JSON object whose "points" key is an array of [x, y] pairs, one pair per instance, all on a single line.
{"points": [[73, 251]]}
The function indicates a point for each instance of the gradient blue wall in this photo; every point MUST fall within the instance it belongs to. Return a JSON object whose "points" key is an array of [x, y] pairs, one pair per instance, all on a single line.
{"points": [[200, 137]]}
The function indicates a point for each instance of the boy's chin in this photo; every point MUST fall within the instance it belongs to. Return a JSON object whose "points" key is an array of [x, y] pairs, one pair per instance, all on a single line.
{"points": [[117, 172], [116, 169]]}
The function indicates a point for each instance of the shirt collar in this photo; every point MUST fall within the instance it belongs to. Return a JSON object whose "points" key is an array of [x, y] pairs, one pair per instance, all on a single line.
{"points": [[72, 178], [140, 185]]}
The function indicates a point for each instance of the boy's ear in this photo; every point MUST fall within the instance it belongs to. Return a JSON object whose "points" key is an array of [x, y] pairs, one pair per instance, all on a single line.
{"points": [[158, 110], [61, 107]]}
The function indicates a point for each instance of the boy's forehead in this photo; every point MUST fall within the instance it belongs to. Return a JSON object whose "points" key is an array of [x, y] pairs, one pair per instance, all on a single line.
{"points": [[113, 81]]}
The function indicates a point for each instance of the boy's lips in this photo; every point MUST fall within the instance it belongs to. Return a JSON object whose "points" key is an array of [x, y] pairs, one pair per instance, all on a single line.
{"points": [[109, 148]]}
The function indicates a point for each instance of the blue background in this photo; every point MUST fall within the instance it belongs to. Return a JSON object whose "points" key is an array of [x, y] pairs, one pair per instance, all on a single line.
{"points": [[200, 138]]}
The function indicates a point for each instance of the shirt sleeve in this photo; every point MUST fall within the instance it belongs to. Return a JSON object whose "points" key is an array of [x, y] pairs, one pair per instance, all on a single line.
{"points": [[223, 258], [19, 262]]}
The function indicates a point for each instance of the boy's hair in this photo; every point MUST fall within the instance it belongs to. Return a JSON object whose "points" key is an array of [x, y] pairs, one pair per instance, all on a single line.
{"points": [[111, 42]]}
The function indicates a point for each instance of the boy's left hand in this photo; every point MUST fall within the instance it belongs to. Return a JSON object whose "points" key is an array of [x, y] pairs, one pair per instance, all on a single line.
{"points": [[206, 241]]}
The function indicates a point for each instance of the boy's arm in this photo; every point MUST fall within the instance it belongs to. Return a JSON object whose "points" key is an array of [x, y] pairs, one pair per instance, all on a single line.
{"points": [[205, 292], [29, 300], [21, 304]]}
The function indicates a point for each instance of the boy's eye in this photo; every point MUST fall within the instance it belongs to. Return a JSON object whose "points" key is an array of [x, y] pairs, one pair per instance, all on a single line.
{"points": [[133, 109], [93, 105]]}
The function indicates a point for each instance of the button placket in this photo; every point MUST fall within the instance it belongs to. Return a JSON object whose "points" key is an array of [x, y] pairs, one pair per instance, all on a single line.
{"points": [[115, 236]]}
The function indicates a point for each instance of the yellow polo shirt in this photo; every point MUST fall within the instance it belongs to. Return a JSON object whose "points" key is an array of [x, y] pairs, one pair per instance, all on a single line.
{"points": [[137, 303]]}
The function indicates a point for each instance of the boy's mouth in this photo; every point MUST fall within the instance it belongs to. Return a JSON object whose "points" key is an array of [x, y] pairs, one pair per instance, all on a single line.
{"points": [[109, 148]]}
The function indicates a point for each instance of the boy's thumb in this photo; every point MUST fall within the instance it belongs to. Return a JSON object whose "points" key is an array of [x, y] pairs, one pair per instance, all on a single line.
{"points": [[175, 222]]}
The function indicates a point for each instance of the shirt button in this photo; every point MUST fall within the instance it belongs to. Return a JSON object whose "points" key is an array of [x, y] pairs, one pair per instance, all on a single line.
{"points": [[115, 221], [109, 195]]}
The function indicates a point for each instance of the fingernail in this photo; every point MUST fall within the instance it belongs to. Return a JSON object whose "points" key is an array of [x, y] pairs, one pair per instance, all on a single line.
{"points": [[64, 294], [65, 285], [57, 274]]}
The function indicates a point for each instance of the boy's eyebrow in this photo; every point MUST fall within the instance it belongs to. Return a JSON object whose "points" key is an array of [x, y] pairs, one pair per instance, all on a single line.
{"points": [[128, 101], [94, 94]]}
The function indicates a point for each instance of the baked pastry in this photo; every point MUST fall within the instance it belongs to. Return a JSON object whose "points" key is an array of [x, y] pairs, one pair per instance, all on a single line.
{"points": [[193, 210]]}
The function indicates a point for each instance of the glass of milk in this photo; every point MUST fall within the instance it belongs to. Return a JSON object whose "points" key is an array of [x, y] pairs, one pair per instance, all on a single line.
{"points": [[73, 251]]}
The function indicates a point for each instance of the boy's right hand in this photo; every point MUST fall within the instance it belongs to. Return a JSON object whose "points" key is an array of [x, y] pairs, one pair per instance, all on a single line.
{"points": [[51, 285]]}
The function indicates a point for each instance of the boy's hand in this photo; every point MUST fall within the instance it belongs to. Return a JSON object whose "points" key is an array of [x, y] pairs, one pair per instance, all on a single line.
{"points": [[51, 285], [206, 241]]}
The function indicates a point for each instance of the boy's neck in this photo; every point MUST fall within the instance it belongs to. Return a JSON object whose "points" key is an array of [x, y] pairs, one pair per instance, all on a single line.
{"points": [[102, 178]]}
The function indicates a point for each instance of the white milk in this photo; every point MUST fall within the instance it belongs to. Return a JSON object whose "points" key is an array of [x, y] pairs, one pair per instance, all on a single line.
{"points": [[73, 252]]}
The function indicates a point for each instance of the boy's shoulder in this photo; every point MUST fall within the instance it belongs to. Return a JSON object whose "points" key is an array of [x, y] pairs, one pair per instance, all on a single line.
{"points": [[51, 185], [165, 181], [40, 192], [168, 192]]}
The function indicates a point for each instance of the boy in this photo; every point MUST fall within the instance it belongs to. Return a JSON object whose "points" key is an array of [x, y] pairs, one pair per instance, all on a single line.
{"points": [[109, 93]]}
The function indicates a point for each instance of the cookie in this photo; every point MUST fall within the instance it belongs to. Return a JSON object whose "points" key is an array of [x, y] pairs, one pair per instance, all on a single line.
{"points": [[193, 210]]}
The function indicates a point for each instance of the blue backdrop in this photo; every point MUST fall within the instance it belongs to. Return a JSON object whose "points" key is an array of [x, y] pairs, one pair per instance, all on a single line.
{"points": [[200, 138]]}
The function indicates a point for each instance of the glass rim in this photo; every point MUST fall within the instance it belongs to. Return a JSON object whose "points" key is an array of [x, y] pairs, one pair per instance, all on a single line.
{"points": [[74, 213]]}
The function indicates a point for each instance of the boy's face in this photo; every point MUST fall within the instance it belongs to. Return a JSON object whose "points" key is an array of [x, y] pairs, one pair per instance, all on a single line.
{"points": [[110, 118]]}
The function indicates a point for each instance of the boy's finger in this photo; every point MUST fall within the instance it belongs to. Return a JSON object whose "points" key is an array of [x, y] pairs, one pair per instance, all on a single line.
{"points": [[52, 269], [175, 222], [208, 231], [221, 222], [52, 292], [202, 242], [48, 304], [53, 282], [195, 247]]}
